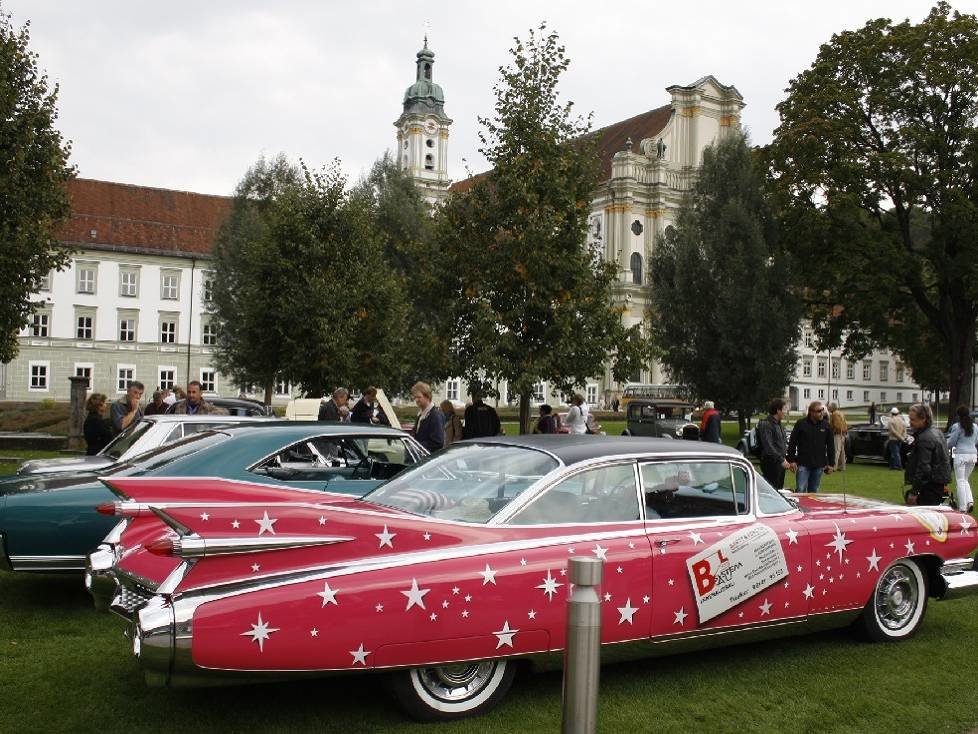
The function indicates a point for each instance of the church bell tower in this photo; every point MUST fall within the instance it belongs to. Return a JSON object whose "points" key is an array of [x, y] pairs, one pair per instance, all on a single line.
{"points": [[422, 132]]}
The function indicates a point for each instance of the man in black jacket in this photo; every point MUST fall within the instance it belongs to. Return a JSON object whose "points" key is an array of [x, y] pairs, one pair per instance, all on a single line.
{"points": [[480, 419], [811, 448], [774, 444], [929, 465]]}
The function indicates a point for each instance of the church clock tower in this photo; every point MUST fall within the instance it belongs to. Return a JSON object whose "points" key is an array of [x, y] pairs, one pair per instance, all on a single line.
{"points": [[422, 132]]}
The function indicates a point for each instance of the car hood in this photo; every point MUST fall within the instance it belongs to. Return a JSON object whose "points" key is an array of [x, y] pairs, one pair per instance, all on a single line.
{"points": [[67, 464]]}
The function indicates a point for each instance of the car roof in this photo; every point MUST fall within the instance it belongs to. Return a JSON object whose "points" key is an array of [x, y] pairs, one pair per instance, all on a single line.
{"points": [[299, 429], [205, 418], [575, 448]]}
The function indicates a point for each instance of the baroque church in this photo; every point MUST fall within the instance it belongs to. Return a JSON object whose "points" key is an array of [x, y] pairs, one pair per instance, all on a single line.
{"points": [[134, 302]]}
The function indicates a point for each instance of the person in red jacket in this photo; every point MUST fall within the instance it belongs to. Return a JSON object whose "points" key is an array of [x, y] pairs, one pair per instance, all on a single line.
{"points": [[710, 423]]}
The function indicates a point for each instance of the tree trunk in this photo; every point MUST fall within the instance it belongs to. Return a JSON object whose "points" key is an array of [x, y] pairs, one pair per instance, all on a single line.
{"points": [[269, 389], [742, 418], [959, 373], [524, 413]]}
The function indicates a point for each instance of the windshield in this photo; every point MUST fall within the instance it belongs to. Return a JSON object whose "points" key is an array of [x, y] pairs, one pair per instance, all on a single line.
{"points": [[125, 440], [159, 457], [467, 482]]}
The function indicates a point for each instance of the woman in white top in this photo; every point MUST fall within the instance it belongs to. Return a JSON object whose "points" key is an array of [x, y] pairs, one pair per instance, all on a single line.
{"points": [[577, 415], [963, 439]]}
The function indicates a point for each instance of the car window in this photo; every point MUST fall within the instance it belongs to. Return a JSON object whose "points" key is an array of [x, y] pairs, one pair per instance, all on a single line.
{"points": [[160, 457], [692, 489], [466, 482], [125, 440], [329, 457], [175, 433], [769, 500], [604, 494]]}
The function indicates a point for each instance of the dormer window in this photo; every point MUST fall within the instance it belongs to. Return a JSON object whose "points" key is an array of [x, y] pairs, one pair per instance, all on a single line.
{"points": [[427, 72]]}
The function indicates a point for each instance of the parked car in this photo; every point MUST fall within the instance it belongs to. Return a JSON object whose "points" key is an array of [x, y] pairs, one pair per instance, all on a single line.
{"points": [[661, 418], [749, 445], [868, 440], [148, 433], [451, 574], [49, 523], [233, 406]]}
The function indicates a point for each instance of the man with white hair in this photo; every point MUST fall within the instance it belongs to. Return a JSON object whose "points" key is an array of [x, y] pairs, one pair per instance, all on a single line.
{"points": [[896, 431], [710, 423], [330, 410]]}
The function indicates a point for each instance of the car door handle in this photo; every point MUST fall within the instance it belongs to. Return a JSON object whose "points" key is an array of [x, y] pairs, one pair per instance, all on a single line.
{"points": [[663, 542]]}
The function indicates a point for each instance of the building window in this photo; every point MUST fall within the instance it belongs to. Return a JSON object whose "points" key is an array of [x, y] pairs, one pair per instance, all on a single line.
{"points": [[208, 335], [168, 378], [636, 265], [806, 368], [207, 288], [821, 368], [168, 331], [208, 380], [865, 396], [806, 393], [884, 371], [170, 285], [850, 371], [429, 162], [899, 397], [84, 327], [125, 374], [44, 283], [84, 370], [836, 369], [453, 388], [913, 397], [283, 388], [821, 393], [809, 339], [430, 143], [883, 396], [39, 325], [899, 373], [129, 283], [591, 394], [867, 371], [38, 376], [127, 329], [539, 389], [848, 396], [835, 394], [86, 279]]}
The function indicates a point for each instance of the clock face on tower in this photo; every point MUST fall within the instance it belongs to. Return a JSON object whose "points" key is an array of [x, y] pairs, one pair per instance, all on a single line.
{"points": [[430, 127]]}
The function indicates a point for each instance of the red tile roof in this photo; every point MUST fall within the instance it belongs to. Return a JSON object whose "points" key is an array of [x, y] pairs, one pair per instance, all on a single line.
{"points": [[611, 140], [131, 217]]}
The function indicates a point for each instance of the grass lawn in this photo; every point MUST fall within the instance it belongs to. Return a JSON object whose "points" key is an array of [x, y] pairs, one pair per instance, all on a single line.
{"points": [[64, 667]]}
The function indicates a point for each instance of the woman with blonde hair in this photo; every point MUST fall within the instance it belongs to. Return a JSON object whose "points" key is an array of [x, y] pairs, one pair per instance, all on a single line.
{"points": [[453, 424], [97, 429]]}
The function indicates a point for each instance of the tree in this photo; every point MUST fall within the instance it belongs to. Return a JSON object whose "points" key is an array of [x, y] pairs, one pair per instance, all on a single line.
{"points": [[723, 315], [254, 276], [529, 301], [875, 161], [33, 182]]}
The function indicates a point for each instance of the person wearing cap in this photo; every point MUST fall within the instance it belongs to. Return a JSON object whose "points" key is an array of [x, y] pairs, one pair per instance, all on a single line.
{"points": [[896, 435]]}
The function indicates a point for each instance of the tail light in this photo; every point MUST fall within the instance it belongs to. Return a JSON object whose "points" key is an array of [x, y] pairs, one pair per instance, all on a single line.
{"points": [[108, 508], [161, 547]]}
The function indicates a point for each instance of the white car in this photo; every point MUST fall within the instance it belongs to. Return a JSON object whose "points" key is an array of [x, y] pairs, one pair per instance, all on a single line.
{"points": [[150, 432]]}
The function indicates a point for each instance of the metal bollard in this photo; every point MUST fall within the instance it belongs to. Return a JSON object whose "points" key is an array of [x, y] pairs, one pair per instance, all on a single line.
{"points": [[582, 656]]}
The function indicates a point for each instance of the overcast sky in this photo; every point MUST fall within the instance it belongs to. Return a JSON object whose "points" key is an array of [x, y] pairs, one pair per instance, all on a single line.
{"points": [[187, 95]]}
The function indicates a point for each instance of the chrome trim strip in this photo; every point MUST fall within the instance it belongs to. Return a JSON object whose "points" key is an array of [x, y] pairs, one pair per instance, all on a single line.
{"points": [[960, 578], [48, 563], [136, 509], [196, 547], [171, 582], [224, 480]]}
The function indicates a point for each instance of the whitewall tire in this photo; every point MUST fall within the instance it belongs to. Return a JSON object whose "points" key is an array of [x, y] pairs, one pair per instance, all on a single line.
{"points": [[444, 692], [897, 605]]}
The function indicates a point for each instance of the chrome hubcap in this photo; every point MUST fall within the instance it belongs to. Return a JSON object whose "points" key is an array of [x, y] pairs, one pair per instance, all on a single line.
{"points": [[896, 598], [456, 682]]}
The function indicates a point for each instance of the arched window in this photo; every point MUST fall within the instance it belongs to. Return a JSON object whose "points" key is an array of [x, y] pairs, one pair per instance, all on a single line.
{"points": [[429, 162], [427, 72], [636, 268]]}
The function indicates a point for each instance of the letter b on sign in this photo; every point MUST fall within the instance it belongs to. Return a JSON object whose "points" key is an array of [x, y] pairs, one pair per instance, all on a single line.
{"points": [[702, 572]]}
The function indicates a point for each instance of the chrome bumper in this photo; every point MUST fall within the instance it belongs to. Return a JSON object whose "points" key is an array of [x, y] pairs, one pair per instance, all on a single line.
{"points": [[99, 580], [960, 576]]}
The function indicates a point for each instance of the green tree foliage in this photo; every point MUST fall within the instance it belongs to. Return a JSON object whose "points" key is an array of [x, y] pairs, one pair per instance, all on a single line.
{"points": [[876, 160], [303, 291], [723, 315], [529, 301], [34, 172]]}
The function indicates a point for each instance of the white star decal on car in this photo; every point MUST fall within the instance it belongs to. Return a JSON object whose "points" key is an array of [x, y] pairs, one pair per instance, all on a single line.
{"points": [[328, 595], [260, 632], [966, 526], [627, 612], [607, 596], [426, 536], [531, 614], [549, 586], [672, 582], [322, 519], [809, 591], [415, 596], [434, 617], [379, 607], [874, 561], [255, 567], [505, 635], [465, 613], [444, 604], [646, 599], [909, 547], [468, 597], [235, 524], [386, 538], [620, 570], [204, 516], [765, 607], [360, 656], [695, 537], [600, 552], [681, 617], [265, 524], [314, 632], [522, 561], [488, 576], [792, 536]]}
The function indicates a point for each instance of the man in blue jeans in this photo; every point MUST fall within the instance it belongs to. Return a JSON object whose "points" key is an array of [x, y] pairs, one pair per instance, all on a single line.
{"points": [[811, 449]]}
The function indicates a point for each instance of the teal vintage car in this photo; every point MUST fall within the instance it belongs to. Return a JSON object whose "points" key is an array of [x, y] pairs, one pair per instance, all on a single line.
{"points": [[49, 523]]}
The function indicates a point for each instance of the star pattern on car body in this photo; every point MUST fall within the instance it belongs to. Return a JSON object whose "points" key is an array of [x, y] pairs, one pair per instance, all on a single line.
{"points": [[838, 542], [549, 586], [260, 632], [415, 595], [505, 635], [488, 575], [360, 656], [328, 595], [627, 612], [266, 524], [386, 538]]}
